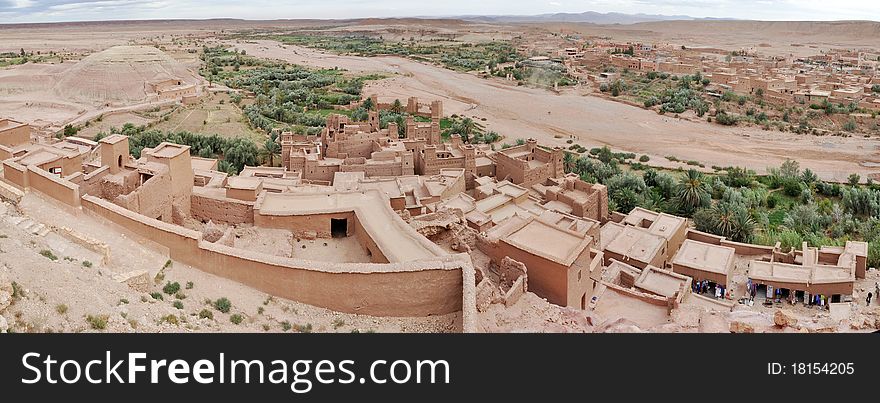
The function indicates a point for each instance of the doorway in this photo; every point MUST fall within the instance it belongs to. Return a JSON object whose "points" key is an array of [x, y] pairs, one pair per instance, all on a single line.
{"points": [[339, 227]]}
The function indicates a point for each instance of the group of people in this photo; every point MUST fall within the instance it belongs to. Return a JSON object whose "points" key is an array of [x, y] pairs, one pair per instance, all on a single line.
{"points": [[704, 286]]}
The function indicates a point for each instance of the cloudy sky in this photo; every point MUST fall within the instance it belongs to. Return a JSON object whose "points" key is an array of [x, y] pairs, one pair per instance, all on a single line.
{"points": [[86, 10]]}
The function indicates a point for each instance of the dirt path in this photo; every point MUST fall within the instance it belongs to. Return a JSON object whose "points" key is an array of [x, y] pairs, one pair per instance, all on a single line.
{"points": [[518, 112]]}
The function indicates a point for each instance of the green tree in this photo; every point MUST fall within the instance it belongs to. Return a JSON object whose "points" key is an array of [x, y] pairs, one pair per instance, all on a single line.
{"points": [[271, 149], [368, 104], [241, 152], [397, 107], [569, 162], [854, 179], [693, 192]]}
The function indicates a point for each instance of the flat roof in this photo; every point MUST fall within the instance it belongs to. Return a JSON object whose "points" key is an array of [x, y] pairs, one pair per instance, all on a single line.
{"points": [[665, 225], [662, 224], [113, 139], [792, 273], [706, 257], [548, 241], [9, 124], [168, 150], [38, 158], [661, 282], [632, 242], [243, 183], [205, 164], [397, 240]]}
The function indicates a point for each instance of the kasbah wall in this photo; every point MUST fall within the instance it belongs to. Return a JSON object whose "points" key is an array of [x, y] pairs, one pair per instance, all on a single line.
{"points": [[419, 288]]}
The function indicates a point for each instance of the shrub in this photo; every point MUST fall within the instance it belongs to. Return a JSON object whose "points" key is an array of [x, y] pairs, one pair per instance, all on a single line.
{"points": [[86, 264], [61, 309], [97, 322], [171, 288], [285, 326], [303, 329], [206, 314], [644, 158], [180, 295], [178, 304], [189, 285], [792, 187], [725, 119], [337, 323], [48, 254], [157, 295], [223, 305], [236, 319], [170, 319], [854, 179]]}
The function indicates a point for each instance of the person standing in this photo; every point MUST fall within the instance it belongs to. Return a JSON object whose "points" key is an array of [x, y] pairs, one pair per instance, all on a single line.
{"points": [[869, 298]]}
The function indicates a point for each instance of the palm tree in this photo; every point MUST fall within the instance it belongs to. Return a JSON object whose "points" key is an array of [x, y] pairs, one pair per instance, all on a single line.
{"points": [[271, 149], [468, 126], [725, 219], [744, 225], [693, 192], [569, 162], [397, 107]]}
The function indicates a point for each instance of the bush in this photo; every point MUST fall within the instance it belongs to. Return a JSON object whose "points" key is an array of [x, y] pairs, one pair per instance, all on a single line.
{"points": [[86, 264], [854, 179], [61, 309], [157, 295], [178, 304], [170, 319], [303, 328], [189, 285], [236, 319], [206, 314], [644, 158], [98, 322], [725, 119], [171, 288], [48, 254], [223, 305], [792, 187], [285, 326]]}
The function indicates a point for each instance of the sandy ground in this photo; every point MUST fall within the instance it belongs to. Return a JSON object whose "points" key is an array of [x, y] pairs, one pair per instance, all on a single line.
{"points": [[47, 284], [518, 112]]}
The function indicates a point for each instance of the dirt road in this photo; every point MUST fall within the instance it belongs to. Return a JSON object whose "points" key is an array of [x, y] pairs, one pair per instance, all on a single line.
{"points": [[519, 112]]}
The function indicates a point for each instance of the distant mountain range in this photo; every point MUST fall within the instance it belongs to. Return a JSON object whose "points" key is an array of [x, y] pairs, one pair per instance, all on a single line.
{"points": [[589, 17]]}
